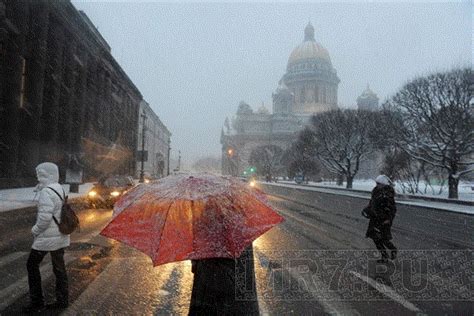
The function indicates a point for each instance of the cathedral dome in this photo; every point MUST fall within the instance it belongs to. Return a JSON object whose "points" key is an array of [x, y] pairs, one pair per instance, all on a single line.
{"points": [[309, 50]]}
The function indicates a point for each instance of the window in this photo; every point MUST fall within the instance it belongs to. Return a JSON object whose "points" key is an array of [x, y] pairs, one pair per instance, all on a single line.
{"points": [[23, 83]]}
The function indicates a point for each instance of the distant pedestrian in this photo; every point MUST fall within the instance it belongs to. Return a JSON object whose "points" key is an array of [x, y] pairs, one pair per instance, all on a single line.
{"points": [[224, 286], [381, 212], [47, 238]]}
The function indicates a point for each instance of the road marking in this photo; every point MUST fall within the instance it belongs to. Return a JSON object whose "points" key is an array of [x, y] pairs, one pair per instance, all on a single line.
{"points": [[387, 291], [301, 221], [11, 293], [332, 306], [163, 292], [11, 257]]}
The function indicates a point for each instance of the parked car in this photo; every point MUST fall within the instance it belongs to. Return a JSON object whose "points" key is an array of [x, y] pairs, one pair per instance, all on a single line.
{"points": [[108, 190]]}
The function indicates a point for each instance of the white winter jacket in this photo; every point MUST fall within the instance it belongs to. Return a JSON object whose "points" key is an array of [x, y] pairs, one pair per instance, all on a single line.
{"points": [[47, 236]]}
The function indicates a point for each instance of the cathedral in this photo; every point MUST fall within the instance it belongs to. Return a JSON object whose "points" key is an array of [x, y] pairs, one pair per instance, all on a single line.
{"points": [[308, 87]]}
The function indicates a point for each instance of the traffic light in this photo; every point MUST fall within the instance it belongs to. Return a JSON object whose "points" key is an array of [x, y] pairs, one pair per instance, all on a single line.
{"points": [[253, 169]]}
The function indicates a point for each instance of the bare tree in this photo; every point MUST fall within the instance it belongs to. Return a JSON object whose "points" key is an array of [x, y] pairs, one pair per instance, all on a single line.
{"points": [[438, 125], [301, 156], [342, 140], [267, 159]]}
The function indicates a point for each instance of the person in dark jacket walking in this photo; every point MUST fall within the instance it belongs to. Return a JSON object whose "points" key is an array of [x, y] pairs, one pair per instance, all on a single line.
{"points": [[381, 212]]}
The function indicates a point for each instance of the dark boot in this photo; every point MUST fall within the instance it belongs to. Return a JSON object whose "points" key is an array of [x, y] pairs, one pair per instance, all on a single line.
{"points": [[379, 243], [393, 250], [59, 269], [33, 308]]}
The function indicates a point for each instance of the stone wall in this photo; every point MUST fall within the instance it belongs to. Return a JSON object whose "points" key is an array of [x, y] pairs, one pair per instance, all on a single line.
{"points": [[63, 96]]}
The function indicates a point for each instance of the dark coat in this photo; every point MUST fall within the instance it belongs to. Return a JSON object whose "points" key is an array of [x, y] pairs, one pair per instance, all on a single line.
{"points": [[381, 208], [224, 286]]}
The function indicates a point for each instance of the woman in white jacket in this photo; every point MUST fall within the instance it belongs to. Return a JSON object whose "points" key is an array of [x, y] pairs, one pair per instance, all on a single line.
{"points": [[48, 238]]}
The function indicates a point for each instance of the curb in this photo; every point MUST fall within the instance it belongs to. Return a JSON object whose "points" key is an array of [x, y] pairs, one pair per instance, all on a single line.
{"points": [[20, 209], [367, 197], [405, 196]]}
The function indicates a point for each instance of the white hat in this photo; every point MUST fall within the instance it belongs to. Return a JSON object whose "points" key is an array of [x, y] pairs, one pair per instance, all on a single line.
{"points": [[383, 179]]}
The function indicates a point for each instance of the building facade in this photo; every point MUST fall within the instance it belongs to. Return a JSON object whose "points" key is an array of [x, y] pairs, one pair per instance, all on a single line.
{"points": [[309, 86], [63, 97], [156, 143]]}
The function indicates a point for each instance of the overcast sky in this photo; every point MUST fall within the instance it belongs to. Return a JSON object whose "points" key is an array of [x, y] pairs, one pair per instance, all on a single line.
{"points": [[194, 62]]}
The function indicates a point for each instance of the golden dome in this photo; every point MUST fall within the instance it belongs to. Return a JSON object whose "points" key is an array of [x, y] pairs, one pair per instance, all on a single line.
{"points": [[309, 49]]}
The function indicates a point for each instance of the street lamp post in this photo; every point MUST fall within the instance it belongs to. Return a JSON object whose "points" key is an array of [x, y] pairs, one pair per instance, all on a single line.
{"points": [[142, 171], [169, 150], [179, 160], [232, 159]]}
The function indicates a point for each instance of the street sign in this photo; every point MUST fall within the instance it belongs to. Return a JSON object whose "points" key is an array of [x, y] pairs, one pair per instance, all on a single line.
{"points": [[142, 153], [73, 176]]}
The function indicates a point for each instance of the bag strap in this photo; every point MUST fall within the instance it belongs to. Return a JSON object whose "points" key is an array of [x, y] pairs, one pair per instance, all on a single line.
{"points": [[54, 218], [62, 199]]}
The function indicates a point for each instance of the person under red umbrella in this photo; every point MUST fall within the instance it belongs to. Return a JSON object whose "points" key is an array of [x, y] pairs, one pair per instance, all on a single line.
{"points": [[209, 219], [224, 286]]}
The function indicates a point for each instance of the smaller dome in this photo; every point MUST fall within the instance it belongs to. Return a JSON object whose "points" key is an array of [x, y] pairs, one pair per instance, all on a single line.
{"points": [[368, 94], [282, 87], [368, 100], [244, 108], [263, 110]]}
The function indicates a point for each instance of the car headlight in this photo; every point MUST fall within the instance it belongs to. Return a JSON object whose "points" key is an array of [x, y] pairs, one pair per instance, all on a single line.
{"points": [[92, 194], [115, 193], [252, 183], [147, 181]]}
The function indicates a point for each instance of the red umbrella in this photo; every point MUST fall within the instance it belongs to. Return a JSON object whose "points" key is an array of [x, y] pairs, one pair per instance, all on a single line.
{"points": [[191, 217]]}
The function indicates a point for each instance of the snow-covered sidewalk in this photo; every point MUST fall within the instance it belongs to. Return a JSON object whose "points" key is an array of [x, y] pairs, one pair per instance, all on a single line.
{"points": [[365, 194], [12, 199], [465, 191]]}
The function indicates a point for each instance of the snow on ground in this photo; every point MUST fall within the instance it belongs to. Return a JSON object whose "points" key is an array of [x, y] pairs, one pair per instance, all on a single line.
{"points": [[445, 206], [465, 189], [11, 199]]}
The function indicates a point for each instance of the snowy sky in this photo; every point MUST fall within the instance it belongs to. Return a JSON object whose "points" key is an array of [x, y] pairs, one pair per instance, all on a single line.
{"points": [[194, 62]]}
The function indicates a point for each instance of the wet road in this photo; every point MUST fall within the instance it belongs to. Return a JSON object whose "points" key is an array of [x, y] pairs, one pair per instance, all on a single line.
{"points": [[316, 262]]}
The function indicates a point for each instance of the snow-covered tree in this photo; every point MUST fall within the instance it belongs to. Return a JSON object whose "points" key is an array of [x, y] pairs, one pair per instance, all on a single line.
{"points": [[301, 156], [342, 140], [438, 123]]}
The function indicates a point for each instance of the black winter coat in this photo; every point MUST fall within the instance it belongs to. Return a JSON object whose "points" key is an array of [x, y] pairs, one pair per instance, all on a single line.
{"points": [[224, 286], [381, 208]]}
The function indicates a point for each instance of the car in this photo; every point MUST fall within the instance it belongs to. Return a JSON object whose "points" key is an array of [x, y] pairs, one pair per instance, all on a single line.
{"points": [[108, 190], [299, 178]]}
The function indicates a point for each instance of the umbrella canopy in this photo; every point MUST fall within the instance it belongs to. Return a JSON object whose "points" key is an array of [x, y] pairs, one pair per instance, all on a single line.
{"points": [[191, 217]]}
